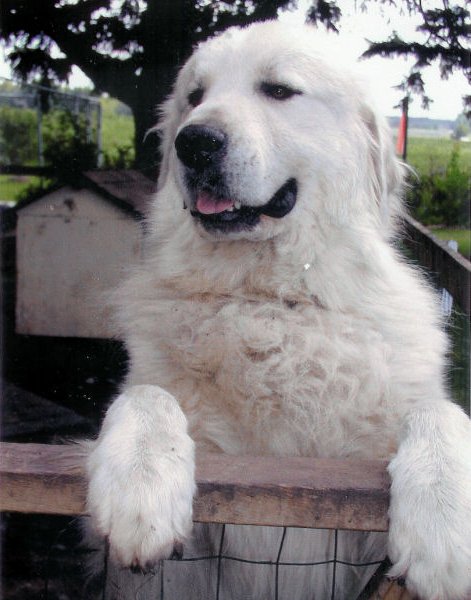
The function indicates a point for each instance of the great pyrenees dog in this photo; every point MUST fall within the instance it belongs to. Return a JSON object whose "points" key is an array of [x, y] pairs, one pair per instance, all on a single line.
{"points": [[273, 316]]}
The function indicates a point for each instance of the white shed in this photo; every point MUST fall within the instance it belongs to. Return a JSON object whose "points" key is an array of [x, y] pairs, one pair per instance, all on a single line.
{"points": [[72, 246]]}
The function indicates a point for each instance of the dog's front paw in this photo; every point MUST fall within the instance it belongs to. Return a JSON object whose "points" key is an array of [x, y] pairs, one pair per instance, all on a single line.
{"points": [[435, 565], [141, 477], [430, 518]]}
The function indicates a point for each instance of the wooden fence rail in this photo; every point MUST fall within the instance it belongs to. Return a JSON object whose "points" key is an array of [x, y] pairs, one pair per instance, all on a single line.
{"points": [[297, 492], [450, 269]]}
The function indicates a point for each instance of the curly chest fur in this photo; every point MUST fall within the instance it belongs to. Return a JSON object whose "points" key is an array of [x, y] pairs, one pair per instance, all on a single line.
{"points": [[296, 370]]}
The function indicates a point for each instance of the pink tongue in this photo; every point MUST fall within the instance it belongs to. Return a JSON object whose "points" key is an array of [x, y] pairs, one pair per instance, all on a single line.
{"points": [[207, 205]]}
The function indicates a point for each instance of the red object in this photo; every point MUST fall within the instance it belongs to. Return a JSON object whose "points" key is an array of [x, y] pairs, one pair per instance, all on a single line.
{"points": [[401, 135]]}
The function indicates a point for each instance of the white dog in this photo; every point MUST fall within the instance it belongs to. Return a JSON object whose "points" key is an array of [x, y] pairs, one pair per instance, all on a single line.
{"points": [[274, 317]]}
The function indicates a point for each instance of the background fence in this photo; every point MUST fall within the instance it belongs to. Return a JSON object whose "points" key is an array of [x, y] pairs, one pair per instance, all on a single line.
{"points": [[450, 272], [24, 107]]}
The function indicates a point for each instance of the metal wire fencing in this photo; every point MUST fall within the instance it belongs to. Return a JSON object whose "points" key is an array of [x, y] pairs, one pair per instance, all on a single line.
{"points": [[224, 562], [222, 575]]}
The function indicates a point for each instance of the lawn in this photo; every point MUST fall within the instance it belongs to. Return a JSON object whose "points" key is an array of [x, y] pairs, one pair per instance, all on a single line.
{"points": [[12, 185], [431, 154], [462, 236], [430, 157]]}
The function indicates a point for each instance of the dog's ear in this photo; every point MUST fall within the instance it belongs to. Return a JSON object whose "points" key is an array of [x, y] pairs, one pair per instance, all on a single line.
{"points": [[166, 129], [386, 172]]}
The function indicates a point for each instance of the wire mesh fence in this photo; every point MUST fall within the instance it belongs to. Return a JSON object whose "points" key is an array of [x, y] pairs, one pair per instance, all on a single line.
{"points": [[225, 562], [23, 111], [224, 575]]}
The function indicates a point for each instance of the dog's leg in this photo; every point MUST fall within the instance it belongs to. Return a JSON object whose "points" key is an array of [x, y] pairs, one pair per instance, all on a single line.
{"points": [[430, 513], [141, 476]]}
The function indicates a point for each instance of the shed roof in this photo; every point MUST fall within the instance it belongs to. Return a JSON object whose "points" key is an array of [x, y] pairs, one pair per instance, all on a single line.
{"points": [[128, 190]]}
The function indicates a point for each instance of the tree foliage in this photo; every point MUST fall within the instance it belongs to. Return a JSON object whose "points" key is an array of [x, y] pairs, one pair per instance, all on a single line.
{"points": [[67, 143], [17, 135], [447, 32], [132, 48], [462, 127], [441, 196]]}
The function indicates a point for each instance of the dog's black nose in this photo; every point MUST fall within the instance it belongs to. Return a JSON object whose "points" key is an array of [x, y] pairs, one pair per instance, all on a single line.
{"points": [[199, 146]]}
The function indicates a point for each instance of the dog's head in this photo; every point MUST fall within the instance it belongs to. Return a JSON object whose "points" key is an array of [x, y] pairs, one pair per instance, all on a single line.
{"points": [[263, 134]]}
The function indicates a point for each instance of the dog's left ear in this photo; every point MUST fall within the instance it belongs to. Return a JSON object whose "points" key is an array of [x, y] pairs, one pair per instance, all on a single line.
{"points": [[386, 172]]}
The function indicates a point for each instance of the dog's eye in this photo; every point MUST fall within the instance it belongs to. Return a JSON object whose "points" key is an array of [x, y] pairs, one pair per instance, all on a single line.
{"points": [[278, 91], [195, 97]]}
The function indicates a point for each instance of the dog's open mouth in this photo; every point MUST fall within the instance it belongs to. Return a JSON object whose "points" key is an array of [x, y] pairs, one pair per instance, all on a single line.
{"points": [[226, 215]]}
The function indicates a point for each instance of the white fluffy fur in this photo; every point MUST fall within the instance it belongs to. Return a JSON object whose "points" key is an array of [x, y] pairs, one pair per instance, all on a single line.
{"points": [[308, 336]]}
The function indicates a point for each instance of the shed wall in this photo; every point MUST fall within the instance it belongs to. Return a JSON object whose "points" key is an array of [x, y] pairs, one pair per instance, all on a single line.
{"points": [[73, 248]]}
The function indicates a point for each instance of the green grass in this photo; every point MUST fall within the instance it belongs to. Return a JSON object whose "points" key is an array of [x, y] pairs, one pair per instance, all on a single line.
{"points": [[462, 236], [11, 185], [432, 154]]}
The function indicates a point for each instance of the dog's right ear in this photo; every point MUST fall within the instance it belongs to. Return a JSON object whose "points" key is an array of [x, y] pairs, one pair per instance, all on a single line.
{"points": [[166, 128]]}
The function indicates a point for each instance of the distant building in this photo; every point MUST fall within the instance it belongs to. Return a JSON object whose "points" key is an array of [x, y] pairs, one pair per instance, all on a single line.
{"points": [[72, 247]]}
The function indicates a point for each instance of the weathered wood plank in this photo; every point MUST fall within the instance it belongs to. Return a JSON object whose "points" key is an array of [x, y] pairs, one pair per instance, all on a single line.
{"points": [[38, 478], [299, 492], [302, 492]]}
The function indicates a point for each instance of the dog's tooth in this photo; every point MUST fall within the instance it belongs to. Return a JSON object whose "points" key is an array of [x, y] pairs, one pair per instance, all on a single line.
{"points": [[237, 205]]}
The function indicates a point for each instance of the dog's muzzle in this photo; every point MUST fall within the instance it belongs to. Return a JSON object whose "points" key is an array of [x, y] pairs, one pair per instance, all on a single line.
{"points": [[201, 149]]}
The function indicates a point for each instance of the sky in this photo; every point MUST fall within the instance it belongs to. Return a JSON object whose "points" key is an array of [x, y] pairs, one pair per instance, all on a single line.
{"points": [[356, 26], [376, 24]]}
